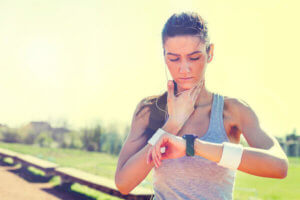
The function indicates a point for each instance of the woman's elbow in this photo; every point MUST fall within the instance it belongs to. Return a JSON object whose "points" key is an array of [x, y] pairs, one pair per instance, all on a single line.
{"points": [[120, 186], [283, 168]]}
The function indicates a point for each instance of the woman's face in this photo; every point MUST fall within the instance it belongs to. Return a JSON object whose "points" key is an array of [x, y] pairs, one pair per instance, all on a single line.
{"points": [[186, 58]]}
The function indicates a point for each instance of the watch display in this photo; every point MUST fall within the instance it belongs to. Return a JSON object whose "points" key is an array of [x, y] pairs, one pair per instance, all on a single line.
{"points": [[190, 138]]}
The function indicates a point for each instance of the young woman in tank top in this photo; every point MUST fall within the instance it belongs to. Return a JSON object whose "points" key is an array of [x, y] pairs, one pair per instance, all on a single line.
{"points": [[189, 108]]}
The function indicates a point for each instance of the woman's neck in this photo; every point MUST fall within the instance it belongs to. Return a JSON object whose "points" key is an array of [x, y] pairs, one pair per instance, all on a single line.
{"points": [[204, 97]]}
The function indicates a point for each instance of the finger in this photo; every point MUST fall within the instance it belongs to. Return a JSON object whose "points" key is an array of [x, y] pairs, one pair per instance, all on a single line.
{"points": [[157, 149], [196, 87], [158, 154], [155, 155], [151, 155], [155, 158], [170, 90], [195, 95], [197, 90], [148, 156], [201, 84], [193, 91]]}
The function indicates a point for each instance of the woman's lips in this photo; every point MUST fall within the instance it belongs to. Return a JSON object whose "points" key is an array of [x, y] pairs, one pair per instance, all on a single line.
{"points": [[185, 79]]}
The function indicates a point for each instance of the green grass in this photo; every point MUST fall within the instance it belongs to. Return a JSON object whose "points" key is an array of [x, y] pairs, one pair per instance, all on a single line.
{"points": [[96, 163], [270, 188], [246, 186], [93, 162]]}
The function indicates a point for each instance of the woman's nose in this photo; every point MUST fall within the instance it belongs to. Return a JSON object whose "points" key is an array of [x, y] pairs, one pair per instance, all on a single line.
{"points": [[184, 67]]}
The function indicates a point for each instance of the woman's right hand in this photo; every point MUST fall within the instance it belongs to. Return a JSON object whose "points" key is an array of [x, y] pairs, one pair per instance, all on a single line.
{"points": [[181, 107]]}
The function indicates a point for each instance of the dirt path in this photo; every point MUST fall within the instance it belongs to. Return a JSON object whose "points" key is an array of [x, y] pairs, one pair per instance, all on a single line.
{"points": [[14, 187]]}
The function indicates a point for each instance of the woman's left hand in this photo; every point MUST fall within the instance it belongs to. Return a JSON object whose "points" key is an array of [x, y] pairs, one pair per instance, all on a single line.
{"points": [[175, 147]]}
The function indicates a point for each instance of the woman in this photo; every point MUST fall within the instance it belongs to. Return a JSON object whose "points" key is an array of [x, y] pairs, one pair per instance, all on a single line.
{"points": [[204, 167]]}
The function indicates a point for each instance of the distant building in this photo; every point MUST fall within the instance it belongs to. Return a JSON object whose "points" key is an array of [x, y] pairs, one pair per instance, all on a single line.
{"points": [[291, 144], [37, 127]]}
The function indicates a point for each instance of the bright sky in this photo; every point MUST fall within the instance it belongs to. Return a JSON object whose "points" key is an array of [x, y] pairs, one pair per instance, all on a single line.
{"points": [[90, 61]]}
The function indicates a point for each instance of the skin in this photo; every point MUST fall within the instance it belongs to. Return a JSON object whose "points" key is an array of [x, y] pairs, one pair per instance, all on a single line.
{"points": [[264, 157], [186, 56]]}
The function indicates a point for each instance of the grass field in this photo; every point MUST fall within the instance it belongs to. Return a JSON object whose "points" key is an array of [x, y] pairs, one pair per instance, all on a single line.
{"points": [[246, 186]]}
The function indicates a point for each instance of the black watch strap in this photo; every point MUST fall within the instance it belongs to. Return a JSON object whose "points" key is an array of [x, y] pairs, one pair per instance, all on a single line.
{"points": [[190, 139]]}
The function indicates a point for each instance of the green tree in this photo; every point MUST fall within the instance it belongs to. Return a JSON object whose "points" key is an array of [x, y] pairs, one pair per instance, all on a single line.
{"points": [[44, 139], [91, 138]]}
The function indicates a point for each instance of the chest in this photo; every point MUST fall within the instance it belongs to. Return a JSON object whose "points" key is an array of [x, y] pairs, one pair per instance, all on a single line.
{"points": [[198, 124]]}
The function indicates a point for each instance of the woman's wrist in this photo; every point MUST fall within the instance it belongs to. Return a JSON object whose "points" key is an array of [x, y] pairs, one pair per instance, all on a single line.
{"points": [[210, 151], [197, 147], [172, 126]]}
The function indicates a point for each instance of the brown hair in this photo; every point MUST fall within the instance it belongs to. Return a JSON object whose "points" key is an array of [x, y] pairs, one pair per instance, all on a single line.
{"points": [[184, 23], [155, 105]]}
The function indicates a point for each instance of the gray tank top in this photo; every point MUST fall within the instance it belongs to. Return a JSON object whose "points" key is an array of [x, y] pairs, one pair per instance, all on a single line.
{"points": [[194, 178]]}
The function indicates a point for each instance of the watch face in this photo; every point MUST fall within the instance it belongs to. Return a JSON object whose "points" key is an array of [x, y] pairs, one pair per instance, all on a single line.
{"points": [[189, 136]]}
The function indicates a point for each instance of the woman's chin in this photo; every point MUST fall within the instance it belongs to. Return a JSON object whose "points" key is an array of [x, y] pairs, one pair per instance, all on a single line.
{"points": [[186, 86]]}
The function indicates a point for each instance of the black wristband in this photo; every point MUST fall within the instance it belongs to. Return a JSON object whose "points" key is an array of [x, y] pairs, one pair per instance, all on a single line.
{"points": [[190, 139]]}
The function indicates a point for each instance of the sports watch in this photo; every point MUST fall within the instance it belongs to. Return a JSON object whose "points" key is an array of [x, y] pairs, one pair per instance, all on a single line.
{"points": [[190, 138]]}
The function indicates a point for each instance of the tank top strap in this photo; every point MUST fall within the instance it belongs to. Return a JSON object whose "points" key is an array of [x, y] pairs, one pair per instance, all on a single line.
{"points": [[218, 108], [217, 116], [214, 118], [214, 109]]}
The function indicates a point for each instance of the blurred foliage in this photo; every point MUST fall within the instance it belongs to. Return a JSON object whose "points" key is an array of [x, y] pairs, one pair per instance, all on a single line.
{"points": [[44, 139], [10, 135], [96, 138], [91, 138]]}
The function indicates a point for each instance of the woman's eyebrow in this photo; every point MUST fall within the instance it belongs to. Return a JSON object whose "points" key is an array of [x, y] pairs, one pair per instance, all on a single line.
{"points": [[174, 54], [194, 53]]}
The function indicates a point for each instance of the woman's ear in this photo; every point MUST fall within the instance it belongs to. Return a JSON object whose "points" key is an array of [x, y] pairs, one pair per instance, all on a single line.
{"points": [[210, 53]]}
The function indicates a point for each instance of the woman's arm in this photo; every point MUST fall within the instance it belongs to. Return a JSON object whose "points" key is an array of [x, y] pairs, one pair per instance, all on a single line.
{"points": [[263, 158], [133, 172], [132, 168], [256, 161], [132, 165]]}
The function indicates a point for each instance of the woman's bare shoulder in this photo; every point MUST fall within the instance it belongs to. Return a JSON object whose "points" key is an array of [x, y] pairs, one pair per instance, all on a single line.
{"points": [[235, 102], [236, 106]]}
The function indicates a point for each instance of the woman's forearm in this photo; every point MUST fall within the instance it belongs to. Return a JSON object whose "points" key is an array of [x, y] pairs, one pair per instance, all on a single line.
{"points": [[134, 171], [259, 162], [136, 168]]}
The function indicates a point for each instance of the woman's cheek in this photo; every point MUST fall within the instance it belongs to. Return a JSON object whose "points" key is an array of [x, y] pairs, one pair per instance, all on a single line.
{"points": [[172, 66]]}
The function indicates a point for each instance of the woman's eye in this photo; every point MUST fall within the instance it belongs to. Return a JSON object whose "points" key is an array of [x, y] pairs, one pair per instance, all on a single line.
{"points": [[173, 60], [195, 58]]}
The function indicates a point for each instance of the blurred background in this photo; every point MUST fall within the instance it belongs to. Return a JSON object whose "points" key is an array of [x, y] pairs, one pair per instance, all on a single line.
{"points": [[72, 72]]}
